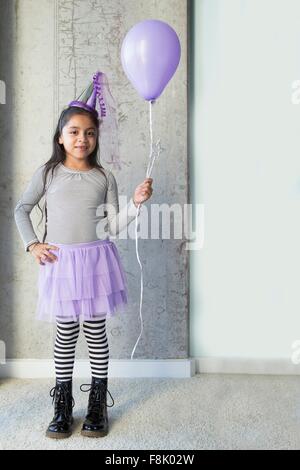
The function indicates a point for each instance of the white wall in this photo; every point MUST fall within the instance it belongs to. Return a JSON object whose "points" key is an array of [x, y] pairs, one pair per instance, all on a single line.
{"points": [[245, 283]]}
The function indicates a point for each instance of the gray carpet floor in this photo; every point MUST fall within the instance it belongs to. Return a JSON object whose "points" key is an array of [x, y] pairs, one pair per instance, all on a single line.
{"points": [[207, 411]]}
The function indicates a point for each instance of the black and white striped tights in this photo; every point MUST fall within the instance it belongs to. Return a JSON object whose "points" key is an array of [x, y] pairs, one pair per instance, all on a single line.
{"points": [[65, 344]]}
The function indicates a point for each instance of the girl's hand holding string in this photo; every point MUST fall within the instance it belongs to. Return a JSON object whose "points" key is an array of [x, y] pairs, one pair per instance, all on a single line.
{"points": [[143, 191], [41, 253]]}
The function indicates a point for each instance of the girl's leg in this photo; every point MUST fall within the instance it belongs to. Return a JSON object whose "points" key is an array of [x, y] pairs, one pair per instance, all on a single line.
{"points": [[64, 349], [64, 355], [96, 420], [95, 334]]}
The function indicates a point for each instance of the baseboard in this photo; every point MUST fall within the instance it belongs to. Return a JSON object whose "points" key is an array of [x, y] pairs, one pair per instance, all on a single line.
{"points": [[44, 368], [177, 368], [235, 365]]}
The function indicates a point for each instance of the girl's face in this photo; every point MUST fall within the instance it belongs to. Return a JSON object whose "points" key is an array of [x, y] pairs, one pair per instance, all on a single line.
{"points": [[79, 137]]}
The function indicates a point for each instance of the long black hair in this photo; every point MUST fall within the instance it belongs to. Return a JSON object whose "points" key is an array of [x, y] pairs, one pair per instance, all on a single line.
{"points": [[59, 154]]}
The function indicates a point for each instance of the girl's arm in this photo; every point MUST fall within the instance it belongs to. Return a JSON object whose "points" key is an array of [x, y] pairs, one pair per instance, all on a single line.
{"points": [[118, 219], [30, 197]]}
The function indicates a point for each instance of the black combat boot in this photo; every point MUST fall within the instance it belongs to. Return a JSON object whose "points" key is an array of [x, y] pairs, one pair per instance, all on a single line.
{"points": [[96, 420], [60, 426]]}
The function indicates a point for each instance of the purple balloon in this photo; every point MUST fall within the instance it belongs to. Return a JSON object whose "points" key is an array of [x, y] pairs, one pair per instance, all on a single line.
{"points": [[150, 55]]}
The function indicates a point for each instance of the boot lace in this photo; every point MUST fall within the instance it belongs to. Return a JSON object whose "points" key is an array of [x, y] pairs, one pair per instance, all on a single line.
{"points": [[64, 396], [98, 391]]}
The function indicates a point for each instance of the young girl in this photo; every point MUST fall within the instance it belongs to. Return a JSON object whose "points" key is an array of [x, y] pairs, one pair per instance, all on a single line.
{"points": [[81, 277]]}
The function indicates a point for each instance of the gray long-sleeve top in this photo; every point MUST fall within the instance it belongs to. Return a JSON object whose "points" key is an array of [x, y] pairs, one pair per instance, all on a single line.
{"points": [[76, 201]]}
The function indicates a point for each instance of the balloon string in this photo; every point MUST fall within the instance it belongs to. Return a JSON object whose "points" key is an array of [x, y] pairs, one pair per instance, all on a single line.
{"points": [[151, 138], [152, 157], [141, 267]]}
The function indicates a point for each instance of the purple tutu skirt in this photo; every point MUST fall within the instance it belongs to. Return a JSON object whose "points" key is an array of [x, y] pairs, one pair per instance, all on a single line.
{"points": [[87, 282]]}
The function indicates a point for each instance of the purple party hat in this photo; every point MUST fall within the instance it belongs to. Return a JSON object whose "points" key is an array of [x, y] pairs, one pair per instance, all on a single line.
{"points": [[98, 93]]}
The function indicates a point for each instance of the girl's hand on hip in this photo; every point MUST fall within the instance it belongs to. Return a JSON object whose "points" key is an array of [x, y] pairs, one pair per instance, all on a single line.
{"points": [[143, 191], [41, 252]]}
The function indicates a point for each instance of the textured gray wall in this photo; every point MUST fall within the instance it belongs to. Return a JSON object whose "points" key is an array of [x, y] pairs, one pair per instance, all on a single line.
{"points": [[49, 48]]}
